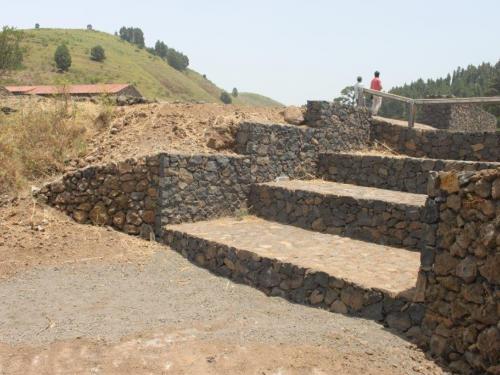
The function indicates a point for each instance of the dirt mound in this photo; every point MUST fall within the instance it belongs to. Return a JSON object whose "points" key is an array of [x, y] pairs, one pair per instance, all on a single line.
{"points": [[181, 127]]}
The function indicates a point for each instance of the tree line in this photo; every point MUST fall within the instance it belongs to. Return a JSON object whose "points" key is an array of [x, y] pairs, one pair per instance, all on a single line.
{"points": [[481, 80], [174, 58]]}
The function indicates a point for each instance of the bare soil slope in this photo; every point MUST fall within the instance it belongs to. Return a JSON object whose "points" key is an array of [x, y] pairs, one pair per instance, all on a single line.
{"points": [[182, 127]]}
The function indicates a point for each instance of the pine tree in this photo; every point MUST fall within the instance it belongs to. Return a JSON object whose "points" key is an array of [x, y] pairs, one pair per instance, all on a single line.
{"points": [[161, 49]]}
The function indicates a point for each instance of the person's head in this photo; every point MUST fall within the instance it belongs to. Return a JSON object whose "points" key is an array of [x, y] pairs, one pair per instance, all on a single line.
{"points": [[377, 73], [359, 78]]}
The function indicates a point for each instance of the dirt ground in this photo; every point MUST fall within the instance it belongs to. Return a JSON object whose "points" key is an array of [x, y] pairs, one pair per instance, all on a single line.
{"points": [[86, 300]]}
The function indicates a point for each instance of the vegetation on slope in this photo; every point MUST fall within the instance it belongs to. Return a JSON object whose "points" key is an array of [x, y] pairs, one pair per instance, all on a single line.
{"points": [[248, 98], [39, 137], [124, 63]]}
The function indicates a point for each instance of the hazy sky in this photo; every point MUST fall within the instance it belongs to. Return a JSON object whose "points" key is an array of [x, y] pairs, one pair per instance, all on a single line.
{"points": [[293, 50]]}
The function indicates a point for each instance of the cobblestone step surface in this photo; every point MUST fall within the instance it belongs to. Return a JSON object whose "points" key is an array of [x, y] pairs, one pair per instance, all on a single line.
{"points": [[328, 271], [377, 215]]}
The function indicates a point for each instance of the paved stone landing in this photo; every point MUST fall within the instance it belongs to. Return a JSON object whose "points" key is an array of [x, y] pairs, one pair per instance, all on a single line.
{"points": [[369, 266], [352, 191]]}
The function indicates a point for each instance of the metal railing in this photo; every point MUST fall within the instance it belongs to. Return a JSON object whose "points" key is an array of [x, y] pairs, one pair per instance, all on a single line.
{"points": [[412, 103]]}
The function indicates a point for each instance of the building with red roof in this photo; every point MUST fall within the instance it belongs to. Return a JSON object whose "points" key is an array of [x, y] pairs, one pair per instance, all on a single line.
{"points": [[114, 89]]}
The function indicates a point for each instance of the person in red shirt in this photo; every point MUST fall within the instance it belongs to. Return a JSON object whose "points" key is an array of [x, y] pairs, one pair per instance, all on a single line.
{"points": [[376, 84]]}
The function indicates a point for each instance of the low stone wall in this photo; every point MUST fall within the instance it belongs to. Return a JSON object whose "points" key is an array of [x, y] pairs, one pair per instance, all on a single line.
{"points": [[437, 144], [199, 187], [297, 284], [386, 172], [462, 271], [461, 118], [368, 220], [321, 114], [139, 196], [122, 195], [293, 150]]}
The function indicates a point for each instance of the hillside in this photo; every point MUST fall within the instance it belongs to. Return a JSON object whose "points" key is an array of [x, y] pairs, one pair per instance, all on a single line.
{"points": [[256, 100], [125, 63]]}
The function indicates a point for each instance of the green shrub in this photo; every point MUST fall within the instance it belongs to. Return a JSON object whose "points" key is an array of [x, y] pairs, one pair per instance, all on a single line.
{"points": [[97, 53], [235, 92], [225, 98], [177, 60], [62, 58], [161, 49]]}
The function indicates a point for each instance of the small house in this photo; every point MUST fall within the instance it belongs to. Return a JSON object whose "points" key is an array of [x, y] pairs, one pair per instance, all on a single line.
{"points": [[114, 89]]}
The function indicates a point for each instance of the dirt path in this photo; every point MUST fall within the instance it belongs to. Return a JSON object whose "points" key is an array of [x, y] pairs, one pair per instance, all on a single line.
{"points": [[157, 313]]}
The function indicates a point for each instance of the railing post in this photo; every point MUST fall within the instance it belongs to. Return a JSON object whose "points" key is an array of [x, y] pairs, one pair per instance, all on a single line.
{"points": [[411, 115]]}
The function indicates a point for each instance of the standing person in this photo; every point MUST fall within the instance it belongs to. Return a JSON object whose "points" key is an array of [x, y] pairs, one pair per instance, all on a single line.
{"points": [[359, 98], [376, 84]]}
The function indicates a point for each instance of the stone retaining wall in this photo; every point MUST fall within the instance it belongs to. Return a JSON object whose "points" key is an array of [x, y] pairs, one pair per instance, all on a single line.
{"points": [[321, 114], [368, 220], [386, 172], [199, 187], [297, 284], [123, 195], [462, 271], [139, 196], [457, 117], [439, 144], [293, 150]]}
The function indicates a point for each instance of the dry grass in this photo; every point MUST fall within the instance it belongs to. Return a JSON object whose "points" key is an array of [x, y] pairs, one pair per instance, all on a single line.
{"points": [[37, 140], [47, 137]]}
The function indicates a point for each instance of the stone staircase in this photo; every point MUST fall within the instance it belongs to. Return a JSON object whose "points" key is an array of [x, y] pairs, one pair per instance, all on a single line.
{"points": [[336, 273], [350, 232], [366, 213], [345, 247]]}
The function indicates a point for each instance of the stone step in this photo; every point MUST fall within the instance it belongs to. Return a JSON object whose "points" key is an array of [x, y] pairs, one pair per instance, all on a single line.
{"points": [[376, 215], [328, 271], [402, 173]]}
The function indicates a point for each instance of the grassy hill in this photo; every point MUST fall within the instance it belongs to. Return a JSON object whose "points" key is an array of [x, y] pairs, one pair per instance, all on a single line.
{"points": [[125, 63], [249, 98]]}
